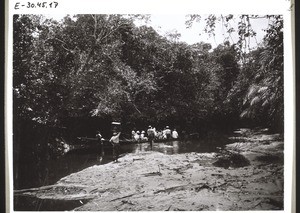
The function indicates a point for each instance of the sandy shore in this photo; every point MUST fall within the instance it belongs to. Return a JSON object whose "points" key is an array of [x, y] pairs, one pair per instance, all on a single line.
{"points": [[152, 181]]}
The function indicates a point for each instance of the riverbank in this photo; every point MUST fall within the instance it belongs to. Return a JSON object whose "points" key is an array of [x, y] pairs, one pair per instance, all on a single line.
{"points": [[153, 181]]}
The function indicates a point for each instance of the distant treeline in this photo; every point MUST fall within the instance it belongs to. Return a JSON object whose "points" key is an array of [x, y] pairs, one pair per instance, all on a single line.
{"points": [[93, 69]]}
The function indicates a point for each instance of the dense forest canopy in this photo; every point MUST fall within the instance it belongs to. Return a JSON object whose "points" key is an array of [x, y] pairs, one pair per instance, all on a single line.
{"points": [[105, 66]]}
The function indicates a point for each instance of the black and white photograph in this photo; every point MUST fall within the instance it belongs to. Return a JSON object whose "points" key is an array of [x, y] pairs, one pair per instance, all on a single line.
{"points": [[149, 112]]}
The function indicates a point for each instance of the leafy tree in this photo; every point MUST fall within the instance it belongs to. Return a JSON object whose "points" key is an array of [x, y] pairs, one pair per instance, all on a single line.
{"points": [[258, 90], [22, 42], [264, 98], [105, 66]]}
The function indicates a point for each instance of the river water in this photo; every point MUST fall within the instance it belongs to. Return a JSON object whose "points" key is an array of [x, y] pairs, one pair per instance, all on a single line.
{"points": [[48, 171], [32, 173]]}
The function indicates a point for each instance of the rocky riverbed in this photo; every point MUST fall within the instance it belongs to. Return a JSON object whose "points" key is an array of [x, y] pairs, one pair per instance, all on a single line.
{"points": [[246, 175]]}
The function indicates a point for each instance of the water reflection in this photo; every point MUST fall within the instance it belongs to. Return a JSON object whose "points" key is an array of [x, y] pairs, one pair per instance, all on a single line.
{"points": [[172, 147], [141, 147], [54, 169], [175, 146]]}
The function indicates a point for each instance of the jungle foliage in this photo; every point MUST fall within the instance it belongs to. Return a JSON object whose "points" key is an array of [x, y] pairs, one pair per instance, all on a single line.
{"points": [[105, 66]]}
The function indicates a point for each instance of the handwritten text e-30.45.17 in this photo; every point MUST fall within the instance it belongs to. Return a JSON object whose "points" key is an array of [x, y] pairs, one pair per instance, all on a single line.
{"points": [[28, 4]]}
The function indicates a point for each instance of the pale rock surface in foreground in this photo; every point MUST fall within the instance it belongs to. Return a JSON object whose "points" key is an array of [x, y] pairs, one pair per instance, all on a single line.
{"points": [[152, 181]]}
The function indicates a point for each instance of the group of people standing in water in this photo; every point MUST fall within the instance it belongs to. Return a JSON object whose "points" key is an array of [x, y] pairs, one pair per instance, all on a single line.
{"points": [[153, 134], [150, 135]]}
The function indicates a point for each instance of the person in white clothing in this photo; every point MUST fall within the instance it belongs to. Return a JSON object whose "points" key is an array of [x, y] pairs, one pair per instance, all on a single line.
{"points": [[137, 136], [115, 141], [167, 132], [174, 134]]}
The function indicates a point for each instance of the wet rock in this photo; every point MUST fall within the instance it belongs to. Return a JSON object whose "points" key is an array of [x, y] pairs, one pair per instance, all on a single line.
{"points": [[222, 162], [234, 160]]}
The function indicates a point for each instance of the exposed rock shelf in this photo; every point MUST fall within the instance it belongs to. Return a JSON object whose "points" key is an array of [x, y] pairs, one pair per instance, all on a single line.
{"points": [[154, 181]]}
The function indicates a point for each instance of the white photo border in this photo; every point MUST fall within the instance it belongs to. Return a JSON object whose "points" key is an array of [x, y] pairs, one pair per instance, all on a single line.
{"points": [[165, 7]]}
